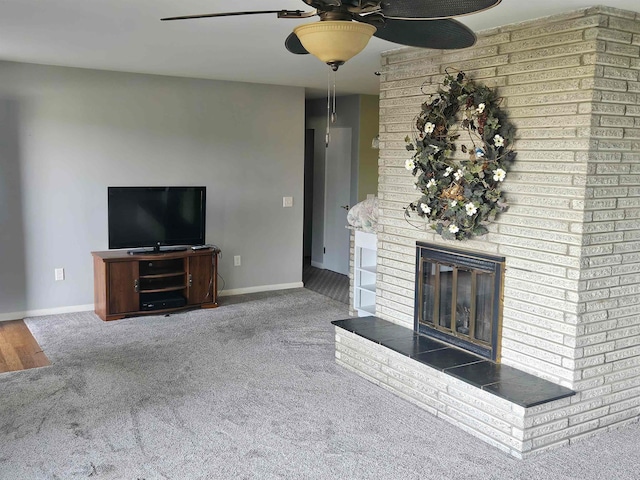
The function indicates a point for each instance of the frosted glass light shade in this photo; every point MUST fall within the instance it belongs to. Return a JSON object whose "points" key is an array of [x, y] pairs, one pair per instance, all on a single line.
{"points": [[334, 42]]}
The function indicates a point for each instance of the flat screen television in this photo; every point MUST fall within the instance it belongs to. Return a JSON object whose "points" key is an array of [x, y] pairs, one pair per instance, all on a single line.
{"points": [[154, 219]]}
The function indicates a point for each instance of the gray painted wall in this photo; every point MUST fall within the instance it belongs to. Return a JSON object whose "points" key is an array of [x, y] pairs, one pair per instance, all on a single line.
{"points": [[66, 134]]}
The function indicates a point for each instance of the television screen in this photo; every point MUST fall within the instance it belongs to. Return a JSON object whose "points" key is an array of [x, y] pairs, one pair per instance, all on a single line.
{"points": [[156, 216]]}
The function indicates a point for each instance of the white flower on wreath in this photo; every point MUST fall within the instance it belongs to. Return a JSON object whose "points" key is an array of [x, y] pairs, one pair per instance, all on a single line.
{"points": [[480, 108], [448, 171], [498, 141], [431, 183], [429, 128], [425, 208], [459, 174], [454, 203], [499, 174], [453, 228], [409, 164], [471, 209], [436, 148]]}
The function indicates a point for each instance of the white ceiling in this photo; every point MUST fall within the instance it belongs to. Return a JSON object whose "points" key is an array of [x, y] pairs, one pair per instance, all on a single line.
{"points": [[127, 35]]}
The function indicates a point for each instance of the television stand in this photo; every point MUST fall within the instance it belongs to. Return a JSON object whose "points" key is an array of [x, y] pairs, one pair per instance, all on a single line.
{"points": [[150, 283]]}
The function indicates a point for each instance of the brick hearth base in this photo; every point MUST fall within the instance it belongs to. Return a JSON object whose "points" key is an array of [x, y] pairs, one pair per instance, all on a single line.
{"points": [[511, 410]]}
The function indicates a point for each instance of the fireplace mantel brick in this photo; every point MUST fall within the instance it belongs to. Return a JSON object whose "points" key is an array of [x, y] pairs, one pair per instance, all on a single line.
{"points": [[571, 85]]}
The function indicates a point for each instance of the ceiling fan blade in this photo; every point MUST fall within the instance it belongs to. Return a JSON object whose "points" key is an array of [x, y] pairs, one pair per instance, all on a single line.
{"points": [[405, 9], [444, 34], [293, 44], [322, 4], [281, 14]]}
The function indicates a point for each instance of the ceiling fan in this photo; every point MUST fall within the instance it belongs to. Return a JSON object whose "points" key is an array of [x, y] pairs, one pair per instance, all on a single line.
{"points": [[346, 26]]}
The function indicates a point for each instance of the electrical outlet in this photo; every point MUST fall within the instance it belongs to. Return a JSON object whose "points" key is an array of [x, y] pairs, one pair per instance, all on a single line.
{"points": [[237, 261], [59, 274], [287, 201]]}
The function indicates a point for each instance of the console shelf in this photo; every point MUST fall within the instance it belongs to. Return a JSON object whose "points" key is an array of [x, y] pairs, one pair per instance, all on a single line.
{"points": [[166, 289], [164, 275], [128, 285]]}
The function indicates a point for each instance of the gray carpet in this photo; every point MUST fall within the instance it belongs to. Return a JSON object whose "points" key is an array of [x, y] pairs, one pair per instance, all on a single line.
{"points": [[246, 391], [326, 282]]}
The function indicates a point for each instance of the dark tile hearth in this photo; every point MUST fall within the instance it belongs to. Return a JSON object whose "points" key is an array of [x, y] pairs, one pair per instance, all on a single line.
{"points": [[484, 373], [447, 358], [503, 381], [382, 331], [527, 391], [414, 345]]}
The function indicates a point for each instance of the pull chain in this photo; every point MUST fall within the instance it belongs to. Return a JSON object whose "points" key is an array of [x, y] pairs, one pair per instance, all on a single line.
{"points": [[328, 136], [331, 106], [333, 113]]}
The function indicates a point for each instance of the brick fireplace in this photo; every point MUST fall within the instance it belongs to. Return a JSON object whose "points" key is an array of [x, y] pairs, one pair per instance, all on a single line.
{"points": [[570, 240]]}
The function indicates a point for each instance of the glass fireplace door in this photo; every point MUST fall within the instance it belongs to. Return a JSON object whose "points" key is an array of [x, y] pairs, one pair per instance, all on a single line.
{"points": [[458, 301]]}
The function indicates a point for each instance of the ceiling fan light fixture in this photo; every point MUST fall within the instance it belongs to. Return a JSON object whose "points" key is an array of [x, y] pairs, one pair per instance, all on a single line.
{"points": [[334, 42]]}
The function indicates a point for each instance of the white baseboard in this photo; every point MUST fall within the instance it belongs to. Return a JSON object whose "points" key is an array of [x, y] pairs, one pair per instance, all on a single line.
{"points": [[90, 307], [46, 311], [261, 288], [317, 264]]}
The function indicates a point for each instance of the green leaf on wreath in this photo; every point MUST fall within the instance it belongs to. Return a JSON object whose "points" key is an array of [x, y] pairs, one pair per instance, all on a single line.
{"points": [[480, 230]]}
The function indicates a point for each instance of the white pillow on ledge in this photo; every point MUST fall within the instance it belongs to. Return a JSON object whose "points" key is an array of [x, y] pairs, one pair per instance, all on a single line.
{"points": [[364, 215]]}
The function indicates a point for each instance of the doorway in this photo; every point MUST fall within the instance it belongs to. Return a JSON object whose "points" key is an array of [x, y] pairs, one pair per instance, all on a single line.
{"points": [[327, 200], [331, 200]]}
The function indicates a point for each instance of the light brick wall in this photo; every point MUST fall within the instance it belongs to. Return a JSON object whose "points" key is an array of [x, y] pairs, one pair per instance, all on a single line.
{"points": [[571, 85], [566, 82], [608, 341]]}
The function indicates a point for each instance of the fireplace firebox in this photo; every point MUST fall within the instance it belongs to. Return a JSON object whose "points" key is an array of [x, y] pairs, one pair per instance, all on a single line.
{"points": [[459, 298]]}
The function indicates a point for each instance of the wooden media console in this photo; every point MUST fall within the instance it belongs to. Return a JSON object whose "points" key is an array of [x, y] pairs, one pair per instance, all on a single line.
{"points": [[150, 284]]}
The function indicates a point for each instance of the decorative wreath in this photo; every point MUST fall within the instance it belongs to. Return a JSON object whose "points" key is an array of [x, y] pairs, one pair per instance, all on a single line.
{"points": [[460, 197]]}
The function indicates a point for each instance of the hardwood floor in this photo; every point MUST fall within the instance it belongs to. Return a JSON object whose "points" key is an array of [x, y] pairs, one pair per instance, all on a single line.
{"points": [[18, 349]]}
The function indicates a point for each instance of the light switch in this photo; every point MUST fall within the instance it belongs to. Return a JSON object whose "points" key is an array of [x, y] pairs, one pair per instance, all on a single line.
{"points": [[287, 202], [59, 274]]}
